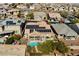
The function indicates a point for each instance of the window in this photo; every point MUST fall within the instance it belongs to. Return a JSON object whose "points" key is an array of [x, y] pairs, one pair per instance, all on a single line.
{"points": [[32, 38]]}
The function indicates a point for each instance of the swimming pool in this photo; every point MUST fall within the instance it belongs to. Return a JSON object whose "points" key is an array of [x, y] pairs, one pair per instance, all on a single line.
{"points": [[32, 44]]}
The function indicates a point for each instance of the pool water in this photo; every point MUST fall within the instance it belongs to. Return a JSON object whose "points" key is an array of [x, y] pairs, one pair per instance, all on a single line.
{"points": [[32, 44]]}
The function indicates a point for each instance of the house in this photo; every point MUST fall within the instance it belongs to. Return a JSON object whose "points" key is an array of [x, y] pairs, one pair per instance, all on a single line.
{"points": [[56, 16], [22, 6], [12, 13], [66, 21], [6, 33], [36, 6], [4, 6], [75, 27], [38, 31], [40, 16], [71, 17], [63, 31], [12, 25], [53, 20], [2, 13], [32, 7]]}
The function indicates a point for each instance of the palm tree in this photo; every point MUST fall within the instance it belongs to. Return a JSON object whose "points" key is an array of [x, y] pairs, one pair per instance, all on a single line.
{"points": [[61, 47], [47, 47], [50, 46]]}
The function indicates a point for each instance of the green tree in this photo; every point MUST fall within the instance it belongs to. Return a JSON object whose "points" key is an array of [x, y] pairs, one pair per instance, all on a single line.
{"points": [[75, 21], [17, 36], [19, 14], [13, 5], [50, 46], [76, 14], [30, 16], [29, 49], [47, 47], [48, 16], [64, 14], [10, 40], [61, 47]]}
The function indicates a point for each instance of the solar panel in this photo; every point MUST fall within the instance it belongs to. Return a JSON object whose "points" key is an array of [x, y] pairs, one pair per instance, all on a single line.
{"points": [[34, 27], [31, 26], [40, 28], [37, 28], [43, 30], [10, 23]]}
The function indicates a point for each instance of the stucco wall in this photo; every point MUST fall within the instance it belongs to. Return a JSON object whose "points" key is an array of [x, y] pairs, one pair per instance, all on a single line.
{"points": [[14, 28]]}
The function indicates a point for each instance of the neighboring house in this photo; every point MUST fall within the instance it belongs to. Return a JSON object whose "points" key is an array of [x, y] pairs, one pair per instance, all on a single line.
{"points": [[66, 21], [75, 27], [56, 16], [62, 30], [12, 13], [6, 33], [22, 6], [40, 16], [32, 7], [71, 18], [37, 6], [12, 25], [4, 6], [38, 31], [53, 20], [2, 13]]}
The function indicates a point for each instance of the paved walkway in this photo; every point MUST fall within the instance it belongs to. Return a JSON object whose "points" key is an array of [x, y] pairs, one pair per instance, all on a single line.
{"points": [[36, 48]]}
